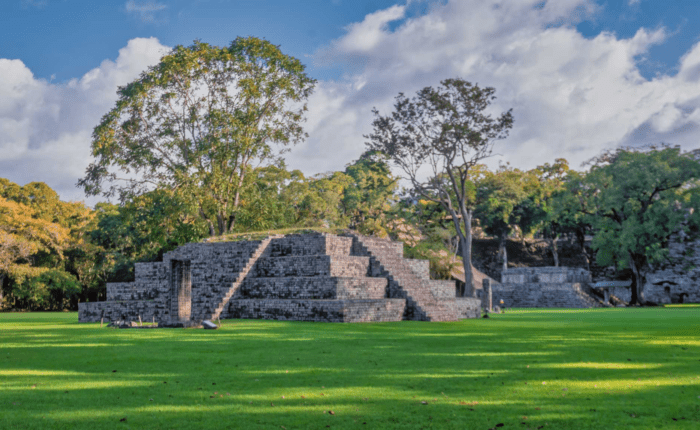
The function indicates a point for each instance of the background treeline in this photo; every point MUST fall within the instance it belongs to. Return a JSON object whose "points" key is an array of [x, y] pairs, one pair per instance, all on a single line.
{"points": [[54, 254]]}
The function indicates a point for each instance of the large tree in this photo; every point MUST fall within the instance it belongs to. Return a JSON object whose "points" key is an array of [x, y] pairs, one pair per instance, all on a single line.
{"points": [[536, 213], [499, 194], [197, 123], [639, 198], [443, 133]]}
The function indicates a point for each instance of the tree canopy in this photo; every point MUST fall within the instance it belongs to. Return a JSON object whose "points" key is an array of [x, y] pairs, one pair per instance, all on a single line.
{"points": [[197, 123], [447, 131], [639, 197]]}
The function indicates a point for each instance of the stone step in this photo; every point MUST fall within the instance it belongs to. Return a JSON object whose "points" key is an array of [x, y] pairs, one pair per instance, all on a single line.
{"points": [[313, 287], [314, 244], [426, 300], [311, 265], [377, 310]]}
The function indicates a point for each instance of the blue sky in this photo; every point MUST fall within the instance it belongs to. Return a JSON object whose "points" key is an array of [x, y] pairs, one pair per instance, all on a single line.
{"points": [[67, 38], [580, 75]]}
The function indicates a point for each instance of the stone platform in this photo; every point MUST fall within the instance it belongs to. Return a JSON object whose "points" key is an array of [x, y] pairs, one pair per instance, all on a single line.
{"points": [[311, 277], [545, 287]]}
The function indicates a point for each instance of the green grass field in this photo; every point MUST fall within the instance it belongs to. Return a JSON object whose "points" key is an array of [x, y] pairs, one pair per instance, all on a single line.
{"points": [[578, 369]]}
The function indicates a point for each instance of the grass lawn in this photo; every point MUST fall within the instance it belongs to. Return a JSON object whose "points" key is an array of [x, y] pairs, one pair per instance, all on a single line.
{"points": [[578, 369]]}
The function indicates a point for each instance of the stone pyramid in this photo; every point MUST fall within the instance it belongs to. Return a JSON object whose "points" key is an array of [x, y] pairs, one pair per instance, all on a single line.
{"points": [[309, 277]]}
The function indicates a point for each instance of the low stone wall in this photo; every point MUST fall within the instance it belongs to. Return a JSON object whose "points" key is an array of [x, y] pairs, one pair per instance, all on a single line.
{"points": [[319, 310], [130, 310], [547, 275], [541, 295]]}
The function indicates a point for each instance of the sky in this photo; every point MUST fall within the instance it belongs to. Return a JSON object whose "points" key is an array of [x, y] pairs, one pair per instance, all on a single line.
{"points": [[581, 76]]}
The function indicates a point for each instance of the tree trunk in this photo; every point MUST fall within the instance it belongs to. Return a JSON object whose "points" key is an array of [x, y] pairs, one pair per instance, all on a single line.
{"points": [[2, 283], [221, 223], [638, 284], [469, 290], [555, 250], [581, 238], [231, 222], [503, 252]]}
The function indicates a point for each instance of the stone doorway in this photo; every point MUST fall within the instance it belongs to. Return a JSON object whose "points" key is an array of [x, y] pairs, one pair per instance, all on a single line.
{"points": [[181, 291]]}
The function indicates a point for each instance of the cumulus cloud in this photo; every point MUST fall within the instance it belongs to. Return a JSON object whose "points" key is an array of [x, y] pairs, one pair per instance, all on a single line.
{"points": [[571, 96], [45, 128], [146, 11]]}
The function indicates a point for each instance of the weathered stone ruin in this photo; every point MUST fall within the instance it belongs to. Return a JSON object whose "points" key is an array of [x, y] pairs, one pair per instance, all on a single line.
{"points": [[677, 281], [545, 287], [311, 277]]}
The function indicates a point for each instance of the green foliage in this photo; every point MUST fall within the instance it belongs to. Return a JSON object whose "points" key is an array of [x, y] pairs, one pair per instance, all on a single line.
{"points": [[197, 123], [432, 248], [141, 230], [50, 290], [500, 192], [639, 198], [370, 194]]}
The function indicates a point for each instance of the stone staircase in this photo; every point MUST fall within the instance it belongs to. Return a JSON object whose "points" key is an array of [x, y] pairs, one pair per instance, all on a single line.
{"points": [[235, 285], [426, 300], [314, 277]]}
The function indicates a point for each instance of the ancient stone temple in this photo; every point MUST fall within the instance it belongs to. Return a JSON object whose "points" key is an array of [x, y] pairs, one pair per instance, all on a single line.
{"points": [[311, 277]]}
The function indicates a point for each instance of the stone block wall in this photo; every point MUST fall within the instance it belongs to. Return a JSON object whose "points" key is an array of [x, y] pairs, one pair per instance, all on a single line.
{"points": [[317, 287], [419, 267], [130, 310], [468, 307], [681, 274], [312, 265], [545, 287], [381, 310], [548, 275]]}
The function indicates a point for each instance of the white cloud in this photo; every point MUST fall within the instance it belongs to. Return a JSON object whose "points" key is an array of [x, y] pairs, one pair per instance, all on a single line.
{"points": [[45, 128], [633, 2], [365, 35], [571, 96], [146, 11], [39, 4]]}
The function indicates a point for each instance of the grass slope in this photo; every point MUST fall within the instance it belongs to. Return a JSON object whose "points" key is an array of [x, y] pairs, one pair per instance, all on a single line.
{"points": [[581, 369]]}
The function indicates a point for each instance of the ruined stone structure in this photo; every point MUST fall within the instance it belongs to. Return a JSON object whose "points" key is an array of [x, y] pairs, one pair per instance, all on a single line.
{"points": [[677, 281], [312, 277], [545, 287]]}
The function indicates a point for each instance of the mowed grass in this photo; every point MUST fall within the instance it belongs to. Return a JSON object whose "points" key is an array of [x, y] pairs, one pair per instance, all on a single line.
{"points": [[578, 369]]}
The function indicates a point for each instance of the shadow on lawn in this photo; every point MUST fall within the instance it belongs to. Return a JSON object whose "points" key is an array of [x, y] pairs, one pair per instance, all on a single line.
{"points": [[472, 374]]}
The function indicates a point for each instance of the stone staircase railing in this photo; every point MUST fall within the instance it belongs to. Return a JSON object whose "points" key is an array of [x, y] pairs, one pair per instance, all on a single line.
{"points": [[241, 277], [421, 301]]}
